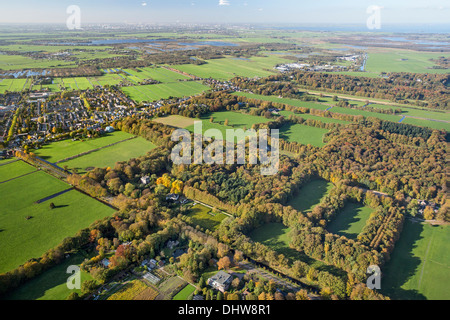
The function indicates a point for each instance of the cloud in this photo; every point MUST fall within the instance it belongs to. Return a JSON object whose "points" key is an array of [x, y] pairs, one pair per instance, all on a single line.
{"points": [[224, 2], [143, 3]]}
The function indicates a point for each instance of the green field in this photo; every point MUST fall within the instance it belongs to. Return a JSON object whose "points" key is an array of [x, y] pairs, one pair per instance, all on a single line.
{"points": [[155, 92], [310, 195], [350, 221], [419, 264], [60, 150], [52, 284], [236, 120], [185, 294], [22, 239], [303, 134], [107, 157], [228, 68], [395, 60], [158, 73], [204, 217], [14, 169], [176, 121]]}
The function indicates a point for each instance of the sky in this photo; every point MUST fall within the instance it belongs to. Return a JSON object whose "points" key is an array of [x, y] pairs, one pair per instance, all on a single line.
{"points": [[227, 11]]}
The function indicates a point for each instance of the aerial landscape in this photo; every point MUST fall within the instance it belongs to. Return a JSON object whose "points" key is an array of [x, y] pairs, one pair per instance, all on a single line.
{"points": [[204, 157]]}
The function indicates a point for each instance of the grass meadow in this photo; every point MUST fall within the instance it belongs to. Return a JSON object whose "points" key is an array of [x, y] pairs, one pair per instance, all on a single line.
{"points": [[350, 221], [22, 239], [205, 218], [107, 157], [310, 195], [228, 68], [156, 92], [52, 284], [60, 150], [419, 264], [303, 134]]}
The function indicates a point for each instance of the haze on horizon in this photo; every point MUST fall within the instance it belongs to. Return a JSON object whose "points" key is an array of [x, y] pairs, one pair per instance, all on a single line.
{"points": [[227, 11]]}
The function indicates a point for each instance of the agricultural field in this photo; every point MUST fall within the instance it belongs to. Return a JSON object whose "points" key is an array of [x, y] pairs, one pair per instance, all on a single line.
{"points": [[311, 195], [108, 156], [395, 60], [60, 150], [176, 121], [303, 134], [236, 120], [156, 92], [205, 218], [52, 284], [15, 62], [419, 264], [170, 288], [129, 291], [158, 73], [350, 221], [30, 227], [13, 85], [148, 294], [228, 68], [11, 170]]}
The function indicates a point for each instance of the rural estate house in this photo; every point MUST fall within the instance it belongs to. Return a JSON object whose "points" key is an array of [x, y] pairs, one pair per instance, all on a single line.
{"points": [[221, 281]]}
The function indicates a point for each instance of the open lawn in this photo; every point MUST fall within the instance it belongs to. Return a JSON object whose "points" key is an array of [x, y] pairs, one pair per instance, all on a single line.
{"points": [[22, 239], [60, 150], [14, 169], [351, 220], [156, 92], [205, 218], [185, 294], [310, 195], [107, 157], [419, 265], [52, 284], [303, 134]]}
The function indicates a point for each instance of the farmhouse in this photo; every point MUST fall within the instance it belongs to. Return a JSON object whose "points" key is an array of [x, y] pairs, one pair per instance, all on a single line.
{"points": [[221, 281]]}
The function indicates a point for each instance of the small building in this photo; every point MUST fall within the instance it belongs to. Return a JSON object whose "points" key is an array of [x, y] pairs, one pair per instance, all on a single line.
{"points": [[221, 281], [109, 129], [173, 197], [145, 180], [105, 263]]}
